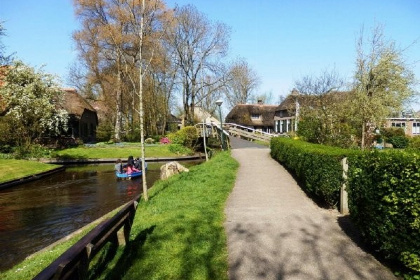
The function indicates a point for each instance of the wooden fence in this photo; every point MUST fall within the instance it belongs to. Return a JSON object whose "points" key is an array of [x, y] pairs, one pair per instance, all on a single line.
{"points": [[74, 263]]}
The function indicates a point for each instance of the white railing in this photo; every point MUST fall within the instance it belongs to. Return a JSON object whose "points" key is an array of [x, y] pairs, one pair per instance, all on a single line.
{"points": [[247, 132]]}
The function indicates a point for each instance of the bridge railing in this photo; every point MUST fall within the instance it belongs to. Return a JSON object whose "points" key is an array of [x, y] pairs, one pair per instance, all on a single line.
{"points": [[247, 132], [74, 263]]}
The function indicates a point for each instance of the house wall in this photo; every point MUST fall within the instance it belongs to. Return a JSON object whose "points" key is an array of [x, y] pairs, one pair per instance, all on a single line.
{"points": [[411, 126], [284, 125], [87, 126]]}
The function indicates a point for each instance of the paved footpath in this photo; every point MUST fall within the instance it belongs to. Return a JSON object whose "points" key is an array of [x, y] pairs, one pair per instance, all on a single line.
{"points": [[276, 232]]}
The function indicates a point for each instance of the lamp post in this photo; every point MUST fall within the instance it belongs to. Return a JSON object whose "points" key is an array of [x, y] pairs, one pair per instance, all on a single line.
{"points": [[219, 103]]}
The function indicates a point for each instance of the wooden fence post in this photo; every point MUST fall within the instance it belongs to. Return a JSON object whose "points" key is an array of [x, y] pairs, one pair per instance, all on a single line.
{"points": [[344, 202]]}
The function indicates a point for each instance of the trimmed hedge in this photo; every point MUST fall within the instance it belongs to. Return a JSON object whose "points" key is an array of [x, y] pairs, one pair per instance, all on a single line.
{"points": [[383, 187], [384, 202], [317, 167]]}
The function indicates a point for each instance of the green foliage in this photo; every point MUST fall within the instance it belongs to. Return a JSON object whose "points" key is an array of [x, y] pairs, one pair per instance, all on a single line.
{"points": [[399, 142], [29, 97], [414, 142], [149, 141], [384, 192], [31, 151], [384, 197], [186, 136], [389, 132], [317, 167], [309, 130], [104, 131], [179, 149]]}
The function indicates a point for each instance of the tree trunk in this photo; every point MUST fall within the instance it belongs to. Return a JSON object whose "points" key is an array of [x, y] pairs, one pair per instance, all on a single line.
{"points": [[117, 129]]}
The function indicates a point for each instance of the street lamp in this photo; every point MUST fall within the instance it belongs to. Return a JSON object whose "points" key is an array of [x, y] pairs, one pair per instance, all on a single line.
{"points": [[219, 103]]}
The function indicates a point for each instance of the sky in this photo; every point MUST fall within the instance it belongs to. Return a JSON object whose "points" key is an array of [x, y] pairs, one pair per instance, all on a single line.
{"points": [[281, 40]]}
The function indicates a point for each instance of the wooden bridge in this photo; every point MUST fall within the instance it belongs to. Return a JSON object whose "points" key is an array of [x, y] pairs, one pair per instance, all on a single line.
{"points": [[250, 134]]}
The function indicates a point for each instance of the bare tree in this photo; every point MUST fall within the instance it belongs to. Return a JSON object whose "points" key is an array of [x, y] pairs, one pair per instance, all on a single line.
{"points": [[198, 45], [242, 82]]}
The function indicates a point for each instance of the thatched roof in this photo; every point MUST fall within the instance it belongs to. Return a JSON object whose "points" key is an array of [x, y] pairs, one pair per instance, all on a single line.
{"points": [[241, 114], [74, 103]]}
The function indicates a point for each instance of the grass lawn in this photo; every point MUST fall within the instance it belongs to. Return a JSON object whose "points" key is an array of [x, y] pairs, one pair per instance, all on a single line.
{"points": [[115, 151], [11, 169], [177, 234]]}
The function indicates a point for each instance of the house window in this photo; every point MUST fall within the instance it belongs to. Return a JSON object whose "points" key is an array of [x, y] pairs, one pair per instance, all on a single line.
{"points": [[416, 128], [255, 116], [398, 124]]}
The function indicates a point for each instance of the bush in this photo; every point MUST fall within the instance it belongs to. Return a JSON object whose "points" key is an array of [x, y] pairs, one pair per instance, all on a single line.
{"points": [[149, 141], [317, 168], [186, 136], [414, 142], [399, 142], [383, 186], [179, 149], [104, 132], [384, 202]]}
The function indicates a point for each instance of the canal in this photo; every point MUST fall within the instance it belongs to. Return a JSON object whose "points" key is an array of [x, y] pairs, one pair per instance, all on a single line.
{"points": [[38, 213]]}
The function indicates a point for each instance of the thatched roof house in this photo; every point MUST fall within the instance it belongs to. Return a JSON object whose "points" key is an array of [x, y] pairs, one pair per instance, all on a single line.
{"points": [[256, 116], [83, 118]]}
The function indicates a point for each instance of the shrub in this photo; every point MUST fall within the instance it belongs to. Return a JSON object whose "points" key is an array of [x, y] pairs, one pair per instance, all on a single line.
{"points": [[179, 149], [104, 132], [399, 142], [414, 142], [384, 202], [149, 141], [186, 136], [317, 168], [164, 140], [383, 186]]}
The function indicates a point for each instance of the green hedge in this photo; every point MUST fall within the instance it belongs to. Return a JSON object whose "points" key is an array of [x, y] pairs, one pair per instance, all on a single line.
{"points": [[384, 202], [383, 186], [317, 168]]}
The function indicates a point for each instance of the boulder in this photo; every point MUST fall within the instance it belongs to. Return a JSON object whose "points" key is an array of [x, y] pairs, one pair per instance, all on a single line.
{"points": [[171, 168]]}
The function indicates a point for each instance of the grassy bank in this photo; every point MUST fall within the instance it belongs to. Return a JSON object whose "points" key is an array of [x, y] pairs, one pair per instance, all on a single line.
{"points": [[116, 151], [11, 169], [177, 234]]}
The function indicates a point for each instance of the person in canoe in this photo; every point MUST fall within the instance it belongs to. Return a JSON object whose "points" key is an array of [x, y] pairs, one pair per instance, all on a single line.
{"points": [[119, 166], [131, 168]]}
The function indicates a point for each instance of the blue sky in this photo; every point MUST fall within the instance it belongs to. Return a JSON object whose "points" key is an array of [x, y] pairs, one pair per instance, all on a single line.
{"points": [[281, 40]]}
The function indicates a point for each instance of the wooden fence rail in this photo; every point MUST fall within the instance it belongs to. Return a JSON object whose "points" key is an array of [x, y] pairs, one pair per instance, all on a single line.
{"points": [[74, 263]]}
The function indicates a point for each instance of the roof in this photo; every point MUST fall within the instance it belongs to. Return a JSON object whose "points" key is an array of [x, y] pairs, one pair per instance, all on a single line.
{"points": [[241, 114], [74, 103]]}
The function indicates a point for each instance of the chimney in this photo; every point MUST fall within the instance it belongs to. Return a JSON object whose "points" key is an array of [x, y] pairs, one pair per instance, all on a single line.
{"points": [[260, 102]]}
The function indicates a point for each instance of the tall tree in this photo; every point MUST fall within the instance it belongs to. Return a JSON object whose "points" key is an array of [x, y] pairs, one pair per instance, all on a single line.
{"points": [[241, 83], [197, 48], [383, 81], [110, 46], [321, 114]]}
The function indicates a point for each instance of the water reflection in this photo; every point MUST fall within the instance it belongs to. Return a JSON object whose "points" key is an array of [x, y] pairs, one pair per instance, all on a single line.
{"points": [[38, 213]]}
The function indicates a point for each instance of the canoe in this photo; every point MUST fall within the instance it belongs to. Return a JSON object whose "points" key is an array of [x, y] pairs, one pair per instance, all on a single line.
{"points": [[129, 176]]}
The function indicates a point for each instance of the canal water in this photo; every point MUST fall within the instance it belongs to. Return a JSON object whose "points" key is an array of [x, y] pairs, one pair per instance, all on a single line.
{"points": [[38, 213]]}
